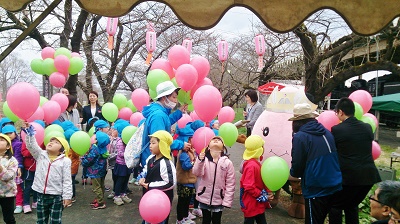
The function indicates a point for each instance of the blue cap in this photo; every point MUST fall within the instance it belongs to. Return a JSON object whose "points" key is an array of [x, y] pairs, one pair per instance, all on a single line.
{"points": [[40, 122], [213, 122], [8, 129], [102, 141], [93, 119], [119, 125], [68, 125], [100, 124]]}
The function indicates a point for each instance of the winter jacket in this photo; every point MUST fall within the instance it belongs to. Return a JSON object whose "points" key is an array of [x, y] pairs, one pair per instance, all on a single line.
{"points": [[112, 151], [217, 183], [120, 146], [315, 160], [8, 187], [16, 146], [75, 161], [253, 113], [251, 185], [184, 174], [72, 116], [157, 118], [29, 161], [94, 160], [51, 177]]}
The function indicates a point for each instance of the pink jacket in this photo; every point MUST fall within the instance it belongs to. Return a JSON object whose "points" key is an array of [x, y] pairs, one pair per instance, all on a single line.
{"points": [[217, 182]]}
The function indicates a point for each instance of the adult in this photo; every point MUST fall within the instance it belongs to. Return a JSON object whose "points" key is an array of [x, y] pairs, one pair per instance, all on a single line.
{"points": [[70, 114], [380, 201], [353, 140], [315, 161], [64, 91], [252, 110], [159, 117], [394, 202], [91, 110]]}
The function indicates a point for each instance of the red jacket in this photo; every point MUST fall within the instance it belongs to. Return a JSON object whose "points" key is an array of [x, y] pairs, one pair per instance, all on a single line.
{"points": [[29, 161], [251, 185]]}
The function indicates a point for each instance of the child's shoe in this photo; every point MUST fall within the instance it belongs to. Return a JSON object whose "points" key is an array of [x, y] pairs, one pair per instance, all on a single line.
{"points": [[27, 209], [84, 181], [191, 216], [34, 204], [112, 195], [197, 212], [133, 180], [73, 199], [118, 200], [99, 206], [126, 199], [93, 202], [18, 209]]}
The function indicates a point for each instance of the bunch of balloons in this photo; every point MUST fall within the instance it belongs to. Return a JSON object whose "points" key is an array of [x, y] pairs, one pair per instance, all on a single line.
{"points": [[57, 64]]}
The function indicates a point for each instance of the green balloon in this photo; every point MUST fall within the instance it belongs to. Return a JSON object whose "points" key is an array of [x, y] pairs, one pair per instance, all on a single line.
{"points": [[110, 112], [76, 65], [48, 66], [229, 133], [183, 96], [53, 127], [358, 113], [173, 80], [153, 94], [190, 107], [91, 131], [130, 105], [7, 111], [43, 100], [155, 77], [37, 66], [127, 133], [274, 172], [119, 100], [62, 51], [52, 134], [80, 142], [369, 121]]}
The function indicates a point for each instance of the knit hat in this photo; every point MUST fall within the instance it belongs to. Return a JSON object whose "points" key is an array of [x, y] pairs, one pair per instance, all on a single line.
{"points": [[303, 111], [102, 141], [63, 142], [8, 140], [8, 129], [100, 124], [164, 143], [254, 147], [165, 89]]}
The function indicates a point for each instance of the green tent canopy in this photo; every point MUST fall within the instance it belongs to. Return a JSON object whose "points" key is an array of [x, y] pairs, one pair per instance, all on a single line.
{"points": [[389, 102]]}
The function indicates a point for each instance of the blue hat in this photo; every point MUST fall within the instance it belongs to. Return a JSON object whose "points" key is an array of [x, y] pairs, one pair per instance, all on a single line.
{"points": [[8, 129], [4, 121], [68, 125], [196, 124], [40, 122], [68, 133], [94, 119], [213, 122], [102, 141], [119, 125], [100, 124]]}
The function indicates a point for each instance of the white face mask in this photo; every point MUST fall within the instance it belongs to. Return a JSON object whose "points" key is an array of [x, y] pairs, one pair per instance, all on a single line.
{"points": [[169, 104]]}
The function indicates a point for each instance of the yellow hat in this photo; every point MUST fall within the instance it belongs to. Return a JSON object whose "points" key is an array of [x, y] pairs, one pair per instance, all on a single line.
{"points": [[165, 142], [8, 140], [63, 142], [254, 147]]}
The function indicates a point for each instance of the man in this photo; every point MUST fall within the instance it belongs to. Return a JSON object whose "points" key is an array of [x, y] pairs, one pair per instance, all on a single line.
{"points": [[381, 201], [353, 140], [394, 203]]}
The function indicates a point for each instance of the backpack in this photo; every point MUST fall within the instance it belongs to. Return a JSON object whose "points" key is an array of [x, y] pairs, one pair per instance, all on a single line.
{"points": [[134, 148]]}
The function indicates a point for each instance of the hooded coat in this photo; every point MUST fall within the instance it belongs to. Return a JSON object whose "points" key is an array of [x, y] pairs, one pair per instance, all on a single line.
{"points": [[96, 159]]}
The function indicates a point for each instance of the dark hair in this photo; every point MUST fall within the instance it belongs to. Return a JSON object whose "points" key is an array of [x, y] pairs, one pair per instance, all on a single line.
{"points": [[346, 105], [9, 152], [394, 201], [95, 93], [298, 123], [387, 189], [252, 94], [71, 100]]}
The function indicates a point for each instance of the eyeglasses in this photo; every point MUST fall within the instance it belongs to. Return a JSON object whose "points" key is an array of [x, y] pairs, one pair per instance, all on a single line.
{"points": [[397, 221], [371, 197]]}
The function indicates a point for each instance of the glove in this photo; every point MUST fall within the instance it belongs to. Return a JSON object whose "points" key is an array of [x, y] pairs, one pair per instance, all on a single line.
{"points": [[263, 196], [30, 130]]}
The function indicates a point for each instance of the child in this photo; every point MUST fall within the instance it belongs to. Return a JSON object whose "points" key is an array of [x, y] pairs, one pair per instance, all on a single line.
{"points": [[8, 187], [217, 185], [254, 198], [84, 169], [159, 171], [52, 180], [96, 162], [214, 125], [16, 143], [75, 161]]}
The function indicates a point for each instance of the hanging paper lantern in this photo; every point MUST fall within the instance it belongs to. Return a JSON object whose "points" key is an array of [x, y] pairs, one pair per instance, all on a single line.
{"points": [[187, 43], [223, 52], [151, 41], [112, 24], [260, 49]]}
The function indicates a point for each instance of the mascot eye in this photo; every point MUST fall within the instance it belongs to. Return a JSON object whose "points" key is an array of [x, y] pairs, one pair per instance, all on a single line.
{"points": [[265, 131]]}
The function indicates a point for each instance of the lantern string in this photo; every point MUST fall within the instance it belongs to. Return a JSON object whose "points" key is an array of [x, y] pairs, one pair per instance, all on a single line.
{"points": [[110, 42]]}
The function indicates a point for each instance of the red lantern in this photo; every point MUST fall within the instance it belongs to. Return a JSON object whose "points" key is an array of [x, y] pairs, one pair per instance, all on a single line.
{"points": [[151, 40], [260, 49], [187, 43], [223, 52], [112, 24]]}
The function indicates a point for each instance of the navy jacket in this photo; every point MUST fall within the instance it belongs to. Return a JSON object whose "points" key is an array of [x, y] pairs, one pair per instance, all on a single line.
{"points": [[87, 114], [315, 162]]}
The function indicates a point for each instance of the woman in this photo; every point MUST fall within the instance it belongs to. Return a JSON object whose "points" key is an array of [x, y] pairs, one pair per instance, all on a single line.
{"points": [[252, 111], [70, 114], [91, 110]]}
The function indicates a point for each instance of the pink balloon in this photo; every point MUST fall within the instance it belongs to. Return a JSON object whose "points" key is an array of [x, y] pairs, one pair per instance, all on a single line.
{"points": [[373, 117], [164, 65], [154, 206], [48, 52], [61, 62], [184, 120], [363, 98], [61, 99], [38, 115], [125, 113], [186, 76], [207, 102], [140, 98], [51, 111], [376, 150], [57, 79], [136, 118], [201, 138], [205, 81], [226, 114], [39, 133], [178, 55], [75, 55], [328, 119], [202, 66], [194, 116], [23, 99]]}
